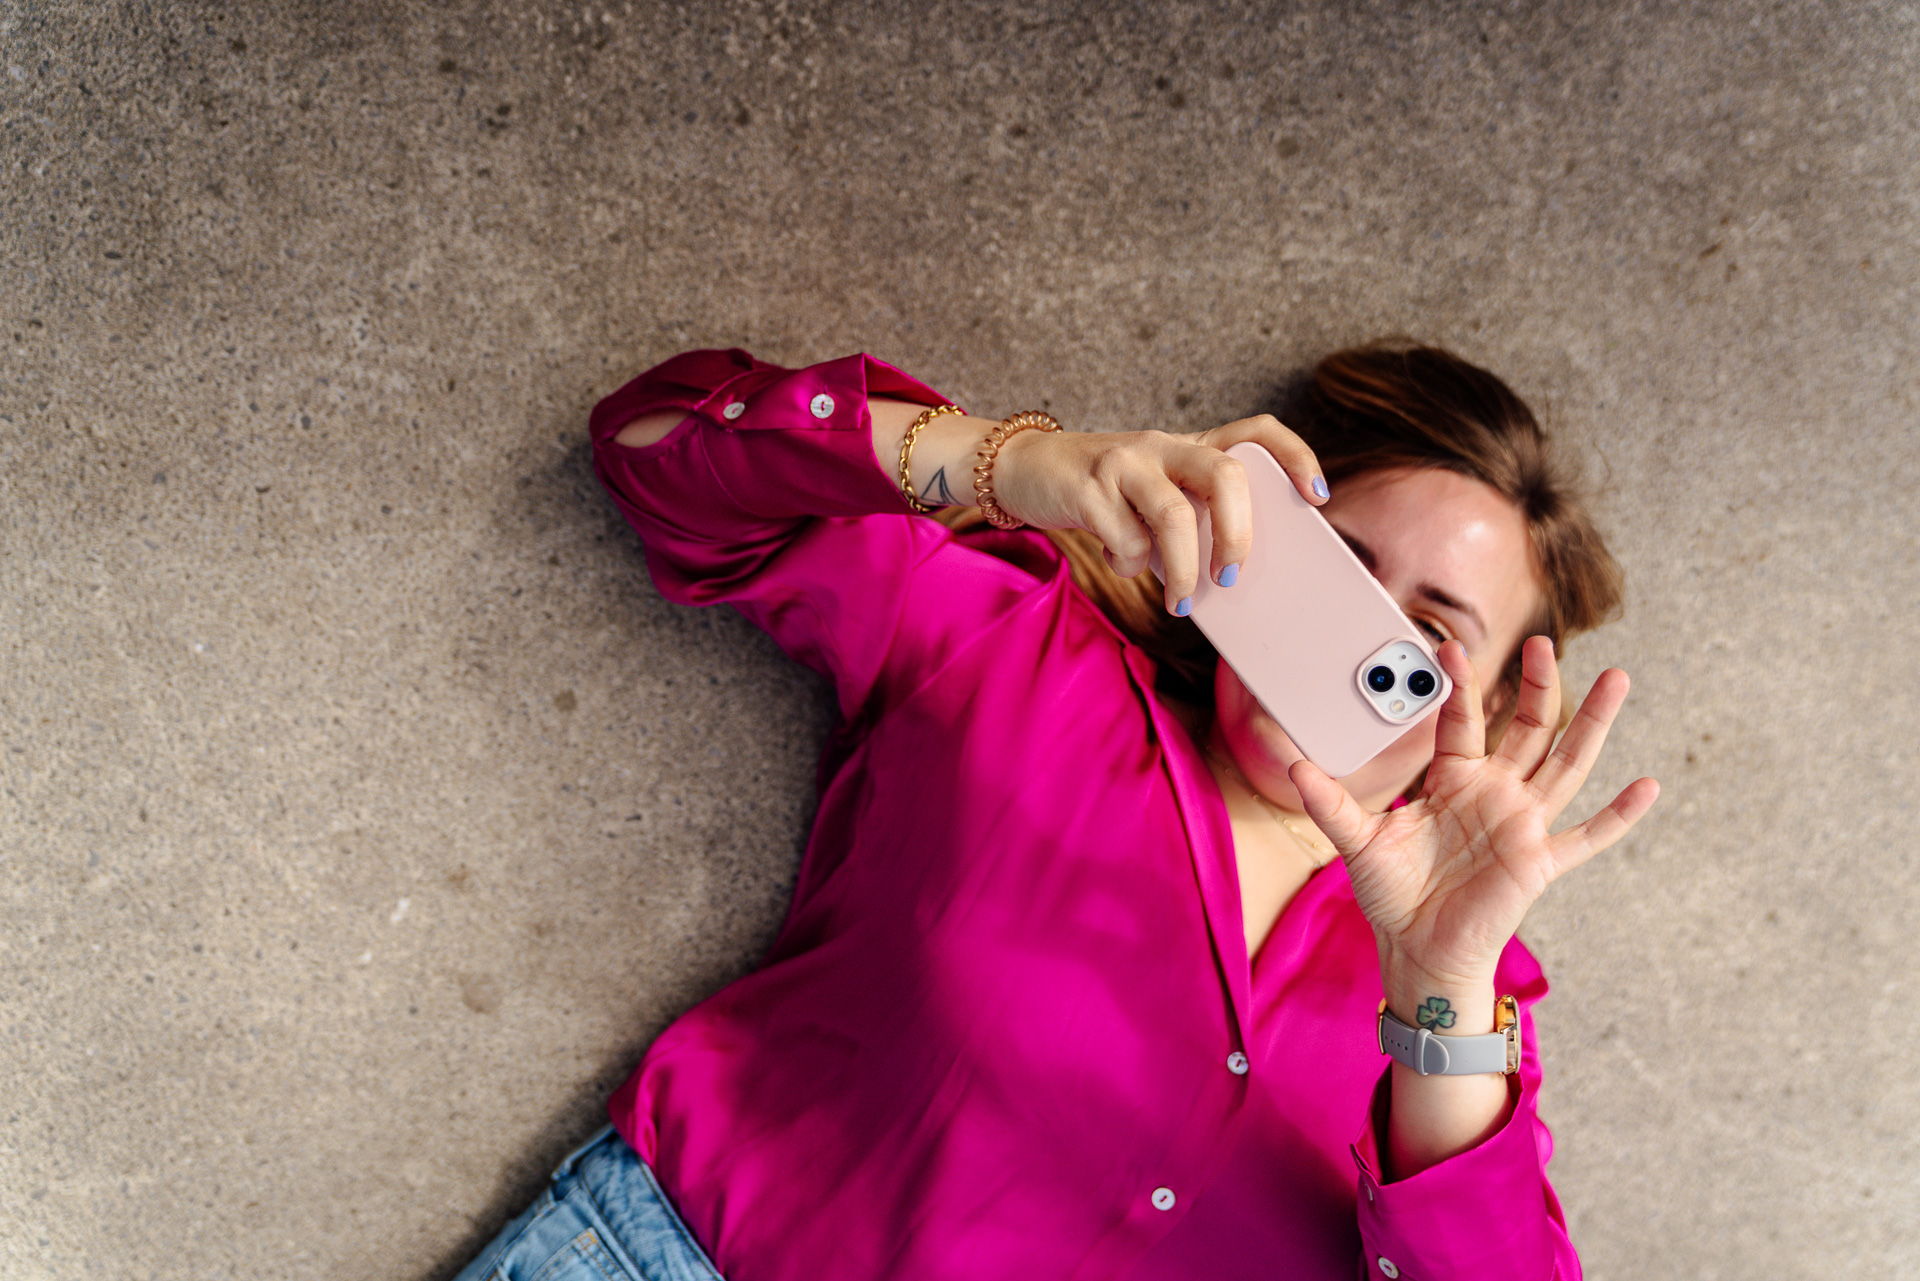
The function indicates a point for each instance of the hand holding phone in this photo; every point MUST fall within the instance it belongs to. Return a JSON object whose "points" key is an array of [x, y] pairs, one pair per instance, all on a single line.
{"points": [[1310, 632]]}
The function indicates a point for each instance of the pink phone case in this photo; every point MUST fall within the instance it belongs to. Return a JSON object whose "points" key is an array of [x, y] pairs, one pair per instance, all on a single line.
{"points": [[1302, 621]]}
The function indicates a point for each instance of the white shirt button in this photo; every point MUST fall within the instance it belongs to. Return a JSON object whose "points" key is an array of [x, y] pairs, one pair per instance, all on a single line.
{"points": [[1387, 1268], [1163, 1198], [1237, 1063], [734, 410], [822, 406]]}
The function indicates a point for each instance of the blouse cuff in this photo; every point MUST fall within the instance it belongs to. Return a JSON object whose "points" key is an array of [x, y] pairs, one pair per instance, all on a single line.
{"points": [[1479, 1214], [790, 442]]}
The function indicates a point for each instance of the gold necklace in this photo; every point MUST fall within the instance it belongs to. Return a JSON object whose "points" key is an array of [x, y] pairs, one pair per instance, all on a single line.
{"points": [[1317, 854]]}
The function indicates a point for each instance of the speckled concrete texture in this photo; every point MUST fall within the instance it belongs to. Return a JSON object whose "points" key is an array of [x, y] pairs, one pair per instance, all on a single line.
{"points": [[364, 812]]}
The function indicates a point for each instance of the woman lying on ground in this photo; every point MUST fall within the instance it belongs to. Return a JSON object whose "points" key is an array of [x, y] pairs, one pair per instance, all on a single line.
{"points": [[1083, 970]]}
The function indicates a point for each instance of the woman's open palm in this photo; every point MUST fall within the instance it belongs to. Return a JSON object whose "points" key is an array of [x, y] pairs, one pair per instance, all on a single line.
{"points": [[1446, 878]]}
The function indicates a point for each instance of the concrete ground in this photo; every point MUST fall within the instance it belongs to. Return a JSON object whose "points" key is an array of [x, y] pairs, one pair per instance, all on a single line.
{"points": [[366, 812]]}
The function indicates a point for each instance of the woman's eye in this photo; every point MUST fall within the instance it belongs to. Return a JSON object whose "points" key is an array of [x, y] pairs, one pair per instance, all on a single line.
{"points": [[1439, 637]]}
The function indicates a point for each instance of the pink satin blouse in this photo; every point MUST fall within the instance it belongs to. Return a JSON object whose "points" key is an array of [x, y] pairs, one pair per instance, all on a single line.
{"points": [[1009, 1027]]}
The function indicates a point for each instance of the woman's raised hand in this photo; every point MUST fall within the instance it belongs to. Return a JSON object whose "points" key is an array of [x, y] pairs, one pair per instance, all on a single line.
{"points": [[1446, 878], [1129, 490]]}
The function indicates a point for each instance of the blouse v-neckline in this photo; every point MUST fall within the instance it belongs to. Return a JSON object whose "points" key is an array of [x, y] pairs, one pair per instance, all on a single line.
{"points": [[1209, 825]]}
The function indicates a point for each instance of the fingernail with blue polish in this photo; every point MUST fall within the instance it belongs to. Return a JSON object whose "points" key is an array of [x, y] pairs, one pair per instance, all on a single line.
{"points": [[1229, 575], [1185, 606], [1320, 486]]}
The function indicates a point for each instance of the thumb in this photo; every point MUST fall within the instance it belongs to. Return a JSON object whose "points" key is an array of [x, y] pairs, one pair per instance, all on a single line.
{"points": [[1331, 808]]}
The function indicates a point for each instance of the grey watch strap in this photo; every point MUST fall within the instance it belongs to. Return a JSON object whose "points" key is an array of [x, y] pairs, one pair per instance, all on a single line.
{"points": [[1431, 1055]]}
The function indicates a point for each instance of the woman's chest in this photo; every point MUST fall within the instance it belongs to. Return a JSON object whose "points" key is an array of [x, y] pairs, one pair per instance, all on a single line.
{"points": [[1269, 880]]}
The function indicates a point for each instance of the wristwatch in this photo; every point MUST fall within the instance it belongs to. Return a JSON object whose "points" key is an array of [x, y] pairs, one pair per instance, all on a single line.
{"points": [[1430, 1055]]}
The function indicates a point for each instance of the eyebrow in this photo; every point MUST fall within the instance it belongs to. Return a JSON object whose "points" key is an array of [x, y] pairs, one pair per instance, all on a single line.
{"points": [[1426, 591]]}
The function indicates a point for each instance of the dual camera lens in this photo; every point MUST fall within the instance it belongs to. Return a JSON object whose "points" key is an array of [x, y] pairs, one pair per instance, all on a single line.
{"points": [[1419, 681]]}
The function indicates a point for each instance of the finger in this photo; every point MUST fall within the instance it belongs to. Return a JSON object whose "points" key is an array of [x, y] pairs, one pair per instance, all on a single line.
{"points": [[1333, 810], [1222, 483], [1577, 844], [1176, 531], [1291, 452], [1537, 718], [1566, 766], [1129, 543], [1462, 729]]}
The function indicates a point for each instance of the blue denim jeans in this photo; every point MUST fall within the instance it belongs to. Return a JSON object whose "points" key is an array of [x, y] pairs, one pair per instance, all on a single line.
{"points": [[603, 1218]]}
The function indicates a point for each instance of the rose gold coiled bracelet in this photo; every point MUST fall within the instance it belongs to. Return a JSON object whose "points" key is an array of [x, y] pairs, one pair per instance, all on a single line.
{"points": [[990, 450]]}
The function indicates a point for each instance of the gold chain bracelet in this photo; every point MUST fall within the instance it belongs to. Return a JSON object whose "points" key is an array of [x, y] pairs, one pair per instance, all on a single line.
{"points": [[990, 450], [906, 449]]}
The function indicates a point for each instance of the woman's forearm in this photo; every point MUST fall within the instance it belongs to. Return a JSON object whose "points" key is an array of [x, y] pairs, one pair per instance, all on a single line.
{"points": [[1431, 1118]]}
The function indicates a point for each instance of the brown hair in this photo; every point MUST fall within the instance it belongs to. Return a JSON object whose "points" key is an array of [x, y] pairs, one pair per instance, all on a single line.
{"points": [[1393, 404]]}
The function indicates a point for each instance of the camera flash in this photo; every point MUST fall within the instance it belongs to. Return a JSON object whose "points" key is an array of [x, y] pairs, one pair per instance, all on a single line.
{"points": [[1397, 705]]}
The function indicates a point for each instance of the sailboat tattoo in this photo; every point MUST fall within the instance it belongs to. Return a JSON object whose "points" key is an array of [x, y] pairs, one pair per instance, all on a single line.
{"points": [[937, 491]]}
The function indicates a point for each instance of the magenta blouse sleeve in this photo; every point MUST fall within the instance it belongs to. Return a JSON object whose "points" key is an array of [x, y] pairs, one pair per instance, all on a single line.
{"points": [[767, 496], [1488, 1212]]}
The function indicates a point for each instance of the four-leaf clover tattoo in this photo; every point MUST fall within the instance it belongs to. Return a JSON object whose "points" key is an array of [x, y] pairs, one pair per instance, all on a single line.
{"points": [[1437, 1012]]}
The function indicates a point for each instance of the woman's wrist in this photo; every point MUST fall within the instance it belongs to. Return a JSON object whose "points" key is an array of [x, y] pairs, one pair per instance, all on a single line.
{"points": [[949, 446], [943, 452], [1455, 1005]]}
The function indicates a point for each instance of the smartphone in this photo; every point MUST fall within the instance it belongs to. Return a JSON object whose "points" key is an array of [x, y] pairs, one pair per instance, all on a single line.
{"points": [[1310, 631]]}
